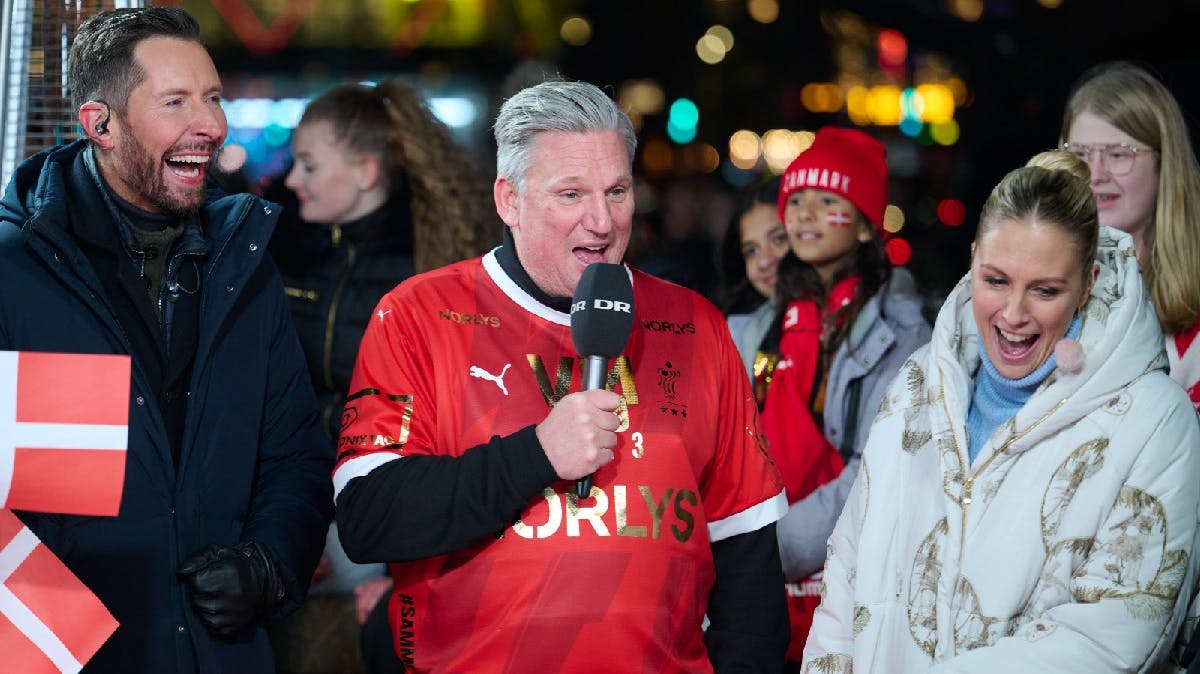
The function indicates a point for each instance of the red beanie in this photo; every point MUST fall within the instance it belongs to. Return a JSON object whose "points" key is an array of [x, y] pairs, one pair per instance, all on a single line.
{"points": [[846, 162]]}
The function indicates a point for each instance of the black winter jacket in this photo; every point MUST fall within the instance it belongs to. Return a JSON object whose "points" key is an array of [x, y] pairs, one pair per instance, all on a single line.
{"points": [[334, 277], [252, 463]]}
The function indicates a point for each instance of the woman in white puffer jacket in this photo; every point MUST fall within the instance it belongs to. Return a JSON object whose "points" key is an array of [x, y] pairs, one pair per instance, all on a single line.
{"points": [[1028, 498]]}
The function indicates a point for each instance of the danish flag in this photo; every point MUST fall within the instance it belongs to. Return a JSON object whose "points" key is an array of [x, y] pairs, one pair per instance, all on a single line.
{"points": [[49, 621], [838, 219], [64, 427]]}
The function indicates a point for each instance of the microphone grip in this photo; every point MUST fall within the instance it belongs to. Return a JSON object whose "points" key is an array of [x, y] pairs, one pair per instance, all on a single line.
{"points": [[594, 369]]}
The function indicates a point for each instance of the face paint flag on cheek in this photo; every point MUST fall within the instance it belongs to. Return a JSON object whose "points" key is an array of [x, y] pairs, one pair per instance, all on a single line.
{"points": [[836, 219]]}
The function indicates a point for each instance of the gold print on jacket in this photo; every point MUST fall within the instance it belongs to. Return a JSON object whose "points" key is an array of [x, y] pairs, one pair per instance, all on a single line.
{"points": [[833, 663], [1130, 560], [1084, 462], [619, 372], [565, 515], [923, 588], [973, 629]]}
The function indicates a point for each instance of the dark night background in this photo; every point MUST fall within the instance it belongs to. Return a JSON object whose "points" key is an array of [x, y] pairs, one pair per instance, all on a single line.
{"points": [[1018, 60]]}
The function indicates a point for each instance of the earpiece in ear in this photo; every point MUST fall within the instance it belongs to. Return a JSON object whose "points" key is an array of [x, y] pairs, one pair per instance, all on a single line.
{"points": [[101, 127]]}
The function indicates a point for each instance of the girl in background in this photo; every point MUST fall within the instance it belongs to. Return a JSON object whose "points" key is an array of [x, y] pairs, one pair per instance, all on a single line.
{"points": [[384, 192], [1125, 124], [755, 242], [845, 325]]}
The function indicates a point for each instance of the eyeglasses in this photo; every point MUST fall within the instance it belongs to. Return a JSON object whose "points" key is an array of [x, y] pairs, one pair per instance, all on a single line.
{"points": [[1116, 158]]}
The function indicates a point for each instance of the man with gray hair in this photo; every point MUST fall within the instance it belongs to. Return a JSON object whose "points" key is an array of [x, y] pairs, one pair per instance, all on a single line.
{"points": [[466, 429]]}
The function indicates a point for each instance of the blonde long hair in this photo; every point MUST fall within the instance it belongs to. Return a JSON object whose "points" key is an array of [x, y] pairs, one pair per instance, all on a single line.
{"points": [[452, 210], [1137, 103]]}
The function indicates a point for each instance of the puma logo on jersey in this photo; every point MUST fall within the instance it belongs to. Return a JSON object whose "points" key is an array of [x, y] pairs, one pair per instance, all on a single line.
{"points": [[381, 313], [497, 379]]}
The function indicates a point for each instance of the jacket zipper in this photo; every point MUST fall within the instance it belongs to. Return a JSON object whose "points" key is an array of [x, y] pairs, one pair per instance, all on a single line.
{"points": [[330, 319], [969, 482]]}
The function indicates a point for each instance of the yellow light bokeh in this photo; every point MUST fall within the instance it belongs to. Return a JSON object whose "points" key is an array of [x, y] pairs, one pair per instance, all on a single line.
{"points": [[645, 96], [883, 105], [763, 11], [780, 147], [1050, 4], [893, 219], [821, 97], [937, 103], [744, 149], [858, 105], [575, 30], [710, 49], [723, 34], [967, 10]]}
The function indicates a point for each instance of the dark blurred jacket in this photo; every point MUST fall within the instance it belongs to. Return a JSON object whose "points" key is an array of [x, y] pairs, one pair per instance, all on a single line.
{"points": [[251, 465], [334, 277]]}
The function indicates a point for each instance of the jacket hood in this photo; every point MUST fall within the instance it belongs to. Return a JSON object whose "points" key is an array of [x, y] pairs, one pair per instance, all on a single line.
{"points": [[1120, 339], [29, 188]]}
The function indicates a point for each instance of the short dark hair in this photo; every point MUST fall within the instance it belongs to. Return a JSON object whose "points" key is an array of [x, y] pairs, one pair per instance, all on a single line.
{"points": [[100, 64]]}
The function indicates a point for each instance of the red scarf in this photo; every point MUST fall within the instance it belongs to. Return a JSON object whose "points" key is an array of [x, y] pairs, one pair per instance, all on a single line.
{"points": [[803, 455], [805, 458]]}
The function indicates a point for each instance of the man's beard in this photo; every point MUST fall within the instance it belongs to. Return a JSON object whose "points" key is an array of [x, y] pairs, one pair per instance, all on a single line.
{"points": [[143, 172]]}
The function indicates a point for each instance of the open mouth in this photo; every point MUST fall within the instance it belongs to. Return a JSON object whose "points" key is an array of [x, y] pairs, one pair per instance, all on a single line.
{"points": [[806, 236], [188, 166], [589, 254], [1014, 347]]}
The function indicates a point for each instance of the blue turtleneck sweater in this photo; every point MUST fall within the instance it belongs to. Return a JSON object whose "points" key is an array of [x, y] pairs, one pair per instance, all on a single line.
{"points": [[997, 398]]}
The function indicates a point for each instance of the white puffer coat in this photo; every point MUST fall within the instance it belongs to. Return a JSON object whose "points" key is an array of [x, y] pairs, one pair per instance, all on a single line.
{"points": [[1067, 546]]}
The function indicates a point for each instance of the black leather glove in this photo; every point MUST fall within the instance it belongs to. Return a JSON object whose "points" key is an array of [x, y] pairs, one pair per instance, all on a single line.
{"points": [[232, 587]]}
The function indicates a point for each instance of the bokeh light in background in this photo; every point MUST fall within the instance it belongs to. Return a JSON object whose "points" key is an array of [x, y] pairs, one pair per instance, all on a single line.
{"points": [[898, 250], [745, 147], [576, 30], [682, 121], [951, 212], [967, 10], [264, 126], [781, 146], [763, 11], [893, 219]]}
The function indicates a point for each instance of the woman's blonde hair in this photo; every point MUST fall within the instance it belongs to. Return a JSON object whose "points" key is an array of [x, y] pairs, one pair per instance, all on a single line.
{"points": [[1053, 189], [1137, 103], [453, 214]]}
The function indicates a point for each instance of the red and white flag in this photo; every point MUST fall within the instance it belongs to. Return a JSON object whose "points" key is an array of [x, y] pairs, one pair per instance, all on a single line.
{"points": [[49, 621], [64, 428], [839, 219]]}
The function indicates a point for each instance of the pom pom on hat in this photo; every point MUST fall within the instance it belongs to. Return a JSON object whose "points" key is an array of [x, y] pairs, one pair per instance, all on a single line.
{"points": [[846, 162]]}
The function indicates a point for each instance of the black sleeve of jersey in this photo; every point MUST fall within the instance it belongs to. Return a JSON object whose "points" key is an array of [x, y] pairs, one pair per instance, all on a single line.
{"points": [[747, 610], [421, 506]]}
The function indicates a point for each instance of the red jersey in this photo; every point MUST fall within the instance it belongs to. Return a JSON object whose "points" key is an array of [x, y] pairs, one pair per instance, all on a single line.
{"points": [[616, 582]]}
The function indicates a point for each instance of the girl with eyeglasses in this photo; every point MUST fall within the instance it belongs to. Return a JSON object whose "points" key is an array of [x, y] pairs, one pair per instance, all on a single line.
{"points": [[1127, 126]]}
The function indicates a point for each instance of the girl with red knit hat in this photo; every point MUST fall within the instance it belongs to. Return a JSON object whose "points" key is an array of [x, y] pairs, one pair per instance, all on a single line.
{"points": [[847, 323]]}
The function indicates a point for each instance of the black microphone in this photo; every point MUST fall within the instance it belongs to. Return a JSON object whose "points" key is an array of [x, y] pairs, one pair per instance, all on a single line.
{"points": [[601, 320]]}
